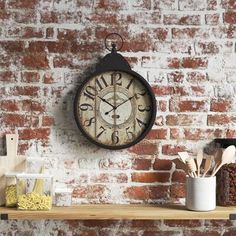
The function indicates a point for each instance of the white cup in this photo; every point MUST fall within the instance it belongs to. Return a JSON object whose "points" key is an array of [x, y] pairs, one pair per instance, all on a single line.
{"points": [[201, 193]]}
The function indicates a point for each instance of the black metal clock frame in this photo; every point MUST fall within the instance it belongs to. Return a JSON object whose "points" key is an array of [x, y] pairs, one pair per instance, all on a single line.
{"points": [[116, 62]]}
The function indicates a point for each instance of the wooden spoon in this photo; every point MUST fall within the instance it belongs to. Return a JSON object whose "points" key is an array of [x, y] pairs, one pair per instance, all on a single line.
{"points": [[217, 157], [183, 156], [207, 165], [191, 165], [199, 161], [227, 157]]}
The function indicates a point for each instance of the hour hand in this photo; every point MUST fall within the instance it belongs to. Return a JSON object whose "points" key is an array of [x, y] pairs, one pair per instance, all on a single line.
{"points": [[104, 100]]}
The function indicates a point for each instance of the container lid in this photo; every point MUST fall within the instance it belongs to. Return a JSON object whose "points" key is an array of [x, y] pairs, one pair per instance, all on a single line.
{"points": [[33, 176], [63, 190], [13, 174]]}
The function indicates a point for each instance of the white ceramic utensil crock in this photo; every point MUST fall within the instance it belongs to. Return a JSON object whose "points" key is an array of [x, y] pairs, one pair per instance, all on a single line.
{"points": [[201, 193]]}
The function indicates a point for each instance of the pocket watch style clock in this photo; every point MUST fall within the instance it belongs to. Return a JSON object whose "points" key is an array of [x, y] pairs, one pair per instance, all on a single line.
{"points": [[115, 107]]}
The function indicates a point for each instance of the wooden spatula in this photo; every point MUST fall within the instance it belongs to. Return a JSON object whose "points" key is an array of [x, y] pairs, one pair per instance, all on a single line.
{"points": [[192, 166], [207, 165], [199, 161], [227, 157]]}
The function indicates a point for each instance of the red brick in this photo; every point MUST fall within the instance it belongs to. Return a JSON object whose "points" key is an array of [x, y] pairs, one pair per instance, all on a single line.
{"points": [[201, 233], [186, 33], [176, 133], [23, 148], [161, 164], [96, 191], [174, 63], [141, 164], [178, 177], [9, 105], [22, 4], [196, 76], [230, 133], [30, 77], [218, 223], [202, 134], [180, 120], [13, 120], [7, 76], [92, 223], [229, 4], [221, 119], [31, 32], [109, 178], [29, 105], [12, 46], [174, 19], [230, 17], [25, 17], [152, 232], [162, 105], [146, 192], [185, 105], [35, 61], [47, 120], [157, 134], [62, 61], [183, 223], [208, 48], [220, 105], [168, 149], [49, 33], [162, 90], [175, 76], [212, 4], [26, 91], [48, 78], [37, 47], [212, 19], [150, 177], [144, 149], [194, 62], [177, 190], [40, 133]]}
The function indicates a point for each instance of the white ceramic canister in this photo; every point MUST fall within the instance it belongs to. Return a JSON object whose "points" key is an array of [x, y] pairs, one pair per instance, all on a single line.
{"points": [[201, 193]]}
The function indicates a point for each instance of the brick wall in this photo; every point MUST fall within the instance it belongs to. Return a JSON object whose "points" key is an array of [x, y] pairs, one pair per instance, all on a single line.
{"points": [[184, 48]]}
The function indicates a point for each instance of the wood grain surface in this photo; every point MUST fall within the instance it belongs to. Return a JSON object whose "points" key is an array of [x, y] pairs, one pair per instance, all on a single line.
{"points": [[118, 212]]}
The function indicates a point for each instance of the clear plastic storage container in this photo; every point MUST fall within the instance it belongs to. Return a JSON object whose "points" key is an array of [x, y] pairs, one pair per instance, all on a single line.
{"points": [[34, 191], [10, 190]]}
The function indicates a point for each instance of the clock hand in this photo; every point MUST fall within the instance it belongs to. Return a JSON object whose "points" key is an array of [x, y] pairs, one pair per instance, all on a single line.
{"points": [[115, 107], [107, 102]]}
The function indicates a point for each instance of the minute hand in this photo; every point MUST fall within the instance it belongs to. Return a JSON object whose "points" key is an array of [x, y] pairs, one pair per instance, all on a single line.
{"points": [[107, 102], [106, 113]]}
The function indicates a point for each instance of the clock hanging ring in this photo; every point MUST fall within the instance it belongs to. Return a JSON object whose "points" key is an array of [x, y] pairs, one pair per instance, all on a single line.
{"points": [[115, 107]]}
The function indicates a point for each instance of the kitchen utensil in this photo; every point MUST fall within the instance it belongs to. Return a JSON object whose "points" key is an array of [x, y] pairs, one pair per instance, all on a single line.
{"points": [[182, 166], [10, 162], [183, 156], [199, 161], [227, 157], [217, 157], [192, 166], [207, 165]]}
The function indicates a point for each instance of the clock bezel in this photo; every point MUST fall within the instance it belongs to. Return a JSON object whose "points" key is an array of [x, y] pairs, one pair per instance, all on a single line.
{"points": [[151, 120]]}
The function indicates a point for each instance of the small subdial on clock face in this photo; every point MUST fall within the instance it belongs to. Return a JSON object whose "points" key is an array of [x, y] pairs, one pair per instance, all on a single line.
{"points": [[121, 111]]}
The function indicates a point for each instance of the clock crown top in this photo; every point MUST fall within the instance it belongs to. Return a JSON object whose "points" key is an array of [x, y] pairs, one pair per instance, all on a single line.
{"points": [[113, 60]]}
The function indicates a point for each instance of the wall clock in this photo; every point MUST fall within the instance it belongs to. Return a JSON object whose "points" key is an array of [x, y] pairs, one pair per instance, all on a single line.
{"points": [[115, 107]]}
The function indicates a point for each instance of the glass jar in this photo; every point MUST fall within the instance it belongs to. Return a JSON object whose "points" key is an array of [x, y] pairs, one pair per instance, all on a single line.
{"points": [[34, 191]]}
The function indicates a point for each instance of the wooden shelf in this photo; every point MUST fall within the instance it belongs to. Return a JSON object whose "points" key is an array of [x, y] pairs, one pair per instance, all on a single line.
{"points": [[118, 212]]}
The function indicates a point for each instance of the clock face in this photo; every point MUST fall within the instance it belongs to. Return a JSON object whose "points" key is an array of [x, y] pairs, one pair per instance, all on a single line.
{"points": [[115, 109]]}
